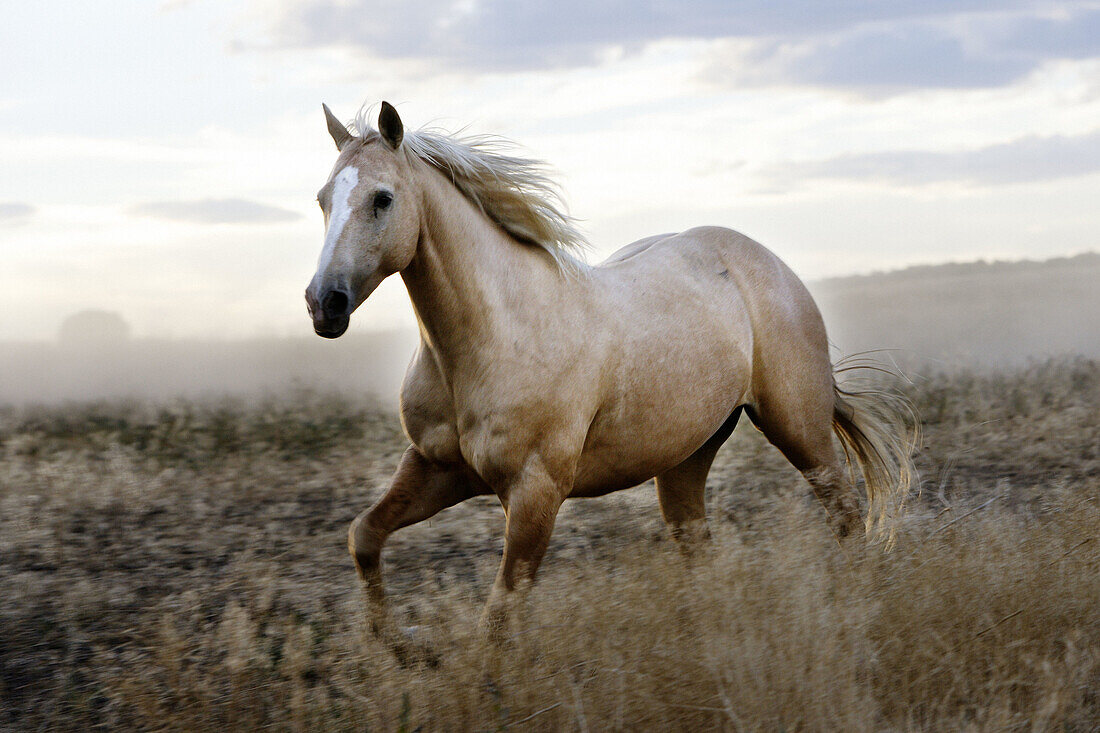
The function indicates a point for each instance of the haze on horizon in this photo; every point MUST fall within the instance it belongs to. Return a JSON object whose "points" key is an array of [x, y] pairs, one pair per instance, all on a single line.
{"points": [[160, 160]]}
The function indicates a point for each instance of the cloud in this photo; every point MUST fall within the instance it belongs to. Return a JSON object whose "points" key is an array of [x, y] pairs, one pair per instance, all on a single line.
{"points": [[15, 212], [215, 211], [909, 55], [849, 43], [949, 52], [478, 34], [1073, 36], [1025, 160]]}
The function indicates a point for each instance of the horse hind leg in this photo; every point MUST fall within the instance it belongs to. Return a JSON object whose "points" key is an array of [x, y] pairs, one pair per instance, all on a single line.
{"points": [[801, 427], [832, 488], [681, 490]]}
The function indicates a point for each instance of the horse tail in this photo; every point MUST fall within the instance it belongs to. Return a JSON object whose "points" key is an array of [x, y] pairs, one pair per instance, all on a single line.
{"points": [[878, 427]]}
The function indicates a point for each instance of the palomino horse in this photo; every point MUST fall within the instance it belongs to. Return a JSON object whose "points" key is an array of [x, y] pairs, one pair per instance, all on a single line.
{"points": [[539, 378]]}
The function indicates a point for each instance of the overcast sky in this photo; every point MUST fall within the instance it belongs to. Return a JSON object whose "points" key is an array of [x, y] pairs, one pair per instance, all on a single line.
{"points": [[160, 159]]}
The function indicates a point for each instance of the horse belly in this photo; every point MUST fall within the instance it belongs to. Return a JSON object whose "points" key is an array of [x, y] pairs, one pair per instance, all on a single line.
{"points": [[641, 435], [626, 458]]}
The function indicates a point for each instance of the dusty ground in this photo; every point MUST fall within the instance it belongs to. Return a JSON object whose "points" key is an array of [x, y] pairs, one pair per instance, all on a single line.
{"points": [[183, 566]]}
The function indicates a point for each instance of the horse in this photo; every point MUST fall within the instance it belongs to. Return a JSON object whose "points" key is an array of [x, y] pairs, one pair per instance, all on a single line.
{"points": [[539, 378]]}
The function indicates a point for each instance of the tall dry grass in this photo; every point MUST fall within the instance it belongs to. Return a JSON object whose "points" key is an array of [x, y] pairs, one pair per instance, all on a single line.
{"points": [[182, 567]]}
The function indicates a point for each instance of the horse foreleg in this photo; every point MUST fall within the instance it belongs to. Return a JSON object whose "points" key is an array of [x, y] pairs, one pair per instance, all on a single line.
{"points": [[531, 509], [419, 489]]}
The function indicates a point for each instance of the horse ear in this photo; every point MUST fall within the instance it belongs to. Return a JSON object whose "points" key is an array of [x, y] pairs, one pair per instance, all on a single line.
{"points": [[340, 134], [389, 124]]}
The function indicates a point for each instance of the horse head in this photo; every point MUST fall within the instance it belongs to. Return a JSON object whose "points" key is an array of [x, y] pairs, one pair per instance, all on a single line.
{"points": [[372, 220]]}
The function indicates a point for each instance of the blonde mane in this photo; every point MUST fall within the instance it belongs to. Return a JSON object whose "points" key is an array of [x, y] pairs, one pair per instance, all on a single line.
{"points": [[515, 192]]}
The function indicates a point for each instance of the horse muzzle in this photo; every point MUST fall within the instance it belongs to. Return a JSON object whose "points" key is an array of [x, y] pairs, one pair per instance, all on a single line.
{"points": [[330, 311]]}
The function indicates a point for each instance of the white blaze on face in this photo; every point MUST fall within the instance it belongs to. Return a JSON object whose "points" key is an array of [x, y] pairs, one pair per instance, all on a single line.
{"points": [[342, 187]]}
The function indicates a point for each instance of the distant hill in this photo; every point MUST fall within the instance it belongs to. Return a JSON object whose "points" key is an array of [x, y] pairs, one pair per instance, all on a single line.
{"points": [[979, 314], [970, 314]]}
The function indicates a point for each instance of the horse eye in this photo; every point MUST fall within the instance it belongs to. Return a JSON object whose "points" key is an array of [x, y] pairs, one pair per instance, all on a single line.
{"points": [[382, 199]]}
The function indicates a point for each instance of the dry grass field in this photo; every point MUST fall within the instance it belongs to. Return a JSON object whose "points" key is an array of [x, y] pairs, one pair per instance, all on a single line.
{"points": [[182, 566]]}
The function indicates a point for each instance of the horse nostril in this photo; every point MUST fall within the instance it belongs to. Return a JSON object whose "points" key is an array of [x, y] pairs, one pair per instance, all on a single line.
{"points": [[335, 303]]}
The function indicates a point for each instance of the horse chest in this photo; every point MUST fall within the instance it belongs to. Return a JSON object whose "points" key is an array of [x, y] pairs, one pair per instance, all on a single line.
{"points": [[427, 414], [433, 433]]}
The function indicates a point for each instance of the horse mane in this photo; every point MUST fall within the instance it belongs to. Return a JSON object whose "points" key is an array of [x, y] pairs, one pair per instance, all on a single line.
{"points": [[515, 192]]}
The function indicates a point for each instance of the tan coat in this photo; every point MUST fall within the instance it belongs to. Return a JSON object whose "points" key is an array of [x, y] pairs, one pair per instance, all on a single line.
{"points": [[539, 378]]}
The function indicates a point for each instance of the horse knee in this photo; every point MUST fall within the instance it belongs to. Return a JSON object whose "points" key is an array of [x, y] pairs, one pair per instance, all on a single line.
{"points": [[364, 545]]}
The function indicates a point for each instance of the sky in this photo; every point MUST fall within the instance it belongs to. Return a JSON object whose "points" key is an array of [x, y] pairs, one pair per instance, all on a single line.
{"points": [[160, 159]]}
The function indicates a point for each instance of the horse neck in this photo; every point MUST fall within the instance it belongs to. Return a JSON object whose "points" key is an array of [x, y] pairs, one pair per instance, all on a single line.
{"points": [[470, 282]]}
